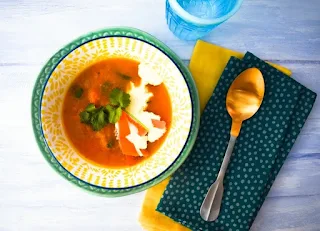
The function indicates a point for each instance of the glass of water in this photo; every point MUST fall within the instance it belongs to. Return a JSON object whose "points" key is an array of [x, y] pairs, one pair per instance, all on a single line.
{"points": [[193, 19]]}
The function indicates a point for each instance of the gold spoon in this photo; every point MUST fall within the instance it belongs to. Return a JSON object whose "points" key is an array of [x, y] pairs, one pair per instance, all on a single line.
{"points": [[244, 98]]}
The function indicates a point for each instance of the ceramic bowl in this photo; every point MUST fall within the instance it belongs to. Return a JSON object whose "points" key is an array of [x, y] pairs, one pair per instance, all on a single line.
{"points": [[56, 77]]}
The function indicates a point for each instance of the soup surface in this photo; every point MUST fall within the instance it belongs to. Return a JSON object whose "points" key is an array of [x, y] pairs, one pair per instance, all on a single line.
{"points": [[94, 85]]}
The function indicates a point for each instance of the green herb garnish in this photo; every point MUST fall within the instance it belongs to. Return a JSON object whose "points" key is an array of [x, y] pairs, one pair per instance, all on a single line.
{"points": [[124, 76], [110, 143], [77, 91], [98, 120], [99, 117], [114, 113], [91, 108], [85, 117], [119, 98], [105, 87]]}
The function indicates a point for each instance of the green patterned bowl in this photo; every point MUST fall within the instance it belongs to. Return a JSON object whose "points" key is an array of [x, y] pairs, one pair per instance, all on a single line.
{"points": [[54, 80]]}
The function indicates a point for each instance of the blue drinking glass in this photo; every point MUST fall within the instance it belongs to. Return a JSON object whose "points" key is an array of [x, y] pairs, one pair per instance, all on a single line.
{"points": [[193, 19]]}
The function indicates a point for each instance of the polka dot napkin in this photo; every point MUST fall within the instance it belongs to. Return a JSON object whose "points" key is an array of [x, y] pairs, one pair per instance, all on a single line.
{"points": [[261, 149]]}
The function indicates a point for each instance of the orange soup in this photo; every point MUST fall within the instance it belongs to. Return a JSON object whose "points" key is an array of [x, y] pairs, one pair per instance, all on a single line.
{"points": [[94, 86]]}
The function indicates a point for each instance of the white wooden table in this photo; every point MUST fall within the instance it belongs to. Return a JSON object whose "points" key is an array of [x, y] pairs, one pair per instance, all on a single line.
{"points": [[34, 197]]}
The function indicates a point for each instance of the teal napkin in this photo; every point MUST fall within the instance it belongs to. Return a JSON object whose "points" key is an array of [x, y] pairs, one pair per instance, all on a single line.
{"points": [[261, 149]]}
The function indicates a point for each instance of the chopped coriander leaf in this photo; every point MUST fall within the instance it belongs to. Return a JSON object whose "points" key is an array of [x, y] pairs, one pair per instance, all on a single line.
{"points": [[115, 96], [110, 111], [117, 116], [110, 143], [119, 98], [85, 117], [108, 108], [99, 117], [98, 120], [124, 76], [125, 100], [113, 113], [105, 87], [90, 108], [77, 91]]}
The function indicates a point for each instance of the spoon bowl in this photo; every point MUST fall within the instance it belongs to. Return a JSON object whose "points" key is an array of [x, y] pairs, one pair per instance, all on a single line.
{"points": [[244, 97], [245, 94]]}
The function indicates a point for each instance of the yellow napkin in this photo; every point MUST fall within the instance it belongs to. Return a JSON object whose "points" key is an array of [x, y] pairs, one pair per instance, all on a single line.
{"points": [[206, 65]]}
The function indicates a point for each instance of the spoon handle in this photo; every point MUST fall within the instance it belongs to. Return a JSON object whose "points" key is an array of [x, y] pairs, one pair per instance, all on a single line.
{"points": [[227, 157], [211, 204]]}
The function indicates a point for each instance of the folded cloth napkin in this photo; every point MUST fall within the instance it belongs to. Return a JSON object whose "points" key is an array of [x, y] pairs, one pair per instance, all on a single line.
{"points": [[261, 149], [206, 65]]}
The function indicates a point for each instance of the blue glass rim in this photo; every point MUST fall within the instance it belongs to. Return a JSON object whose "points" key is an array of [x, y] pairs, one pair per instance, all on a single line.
{"points": [[202, 21]]}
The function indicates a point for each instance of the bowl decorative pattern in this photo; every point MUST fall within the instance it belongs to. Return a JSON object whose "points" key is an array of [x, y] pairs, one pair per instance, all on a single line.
{"points": [[55, 79]]}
